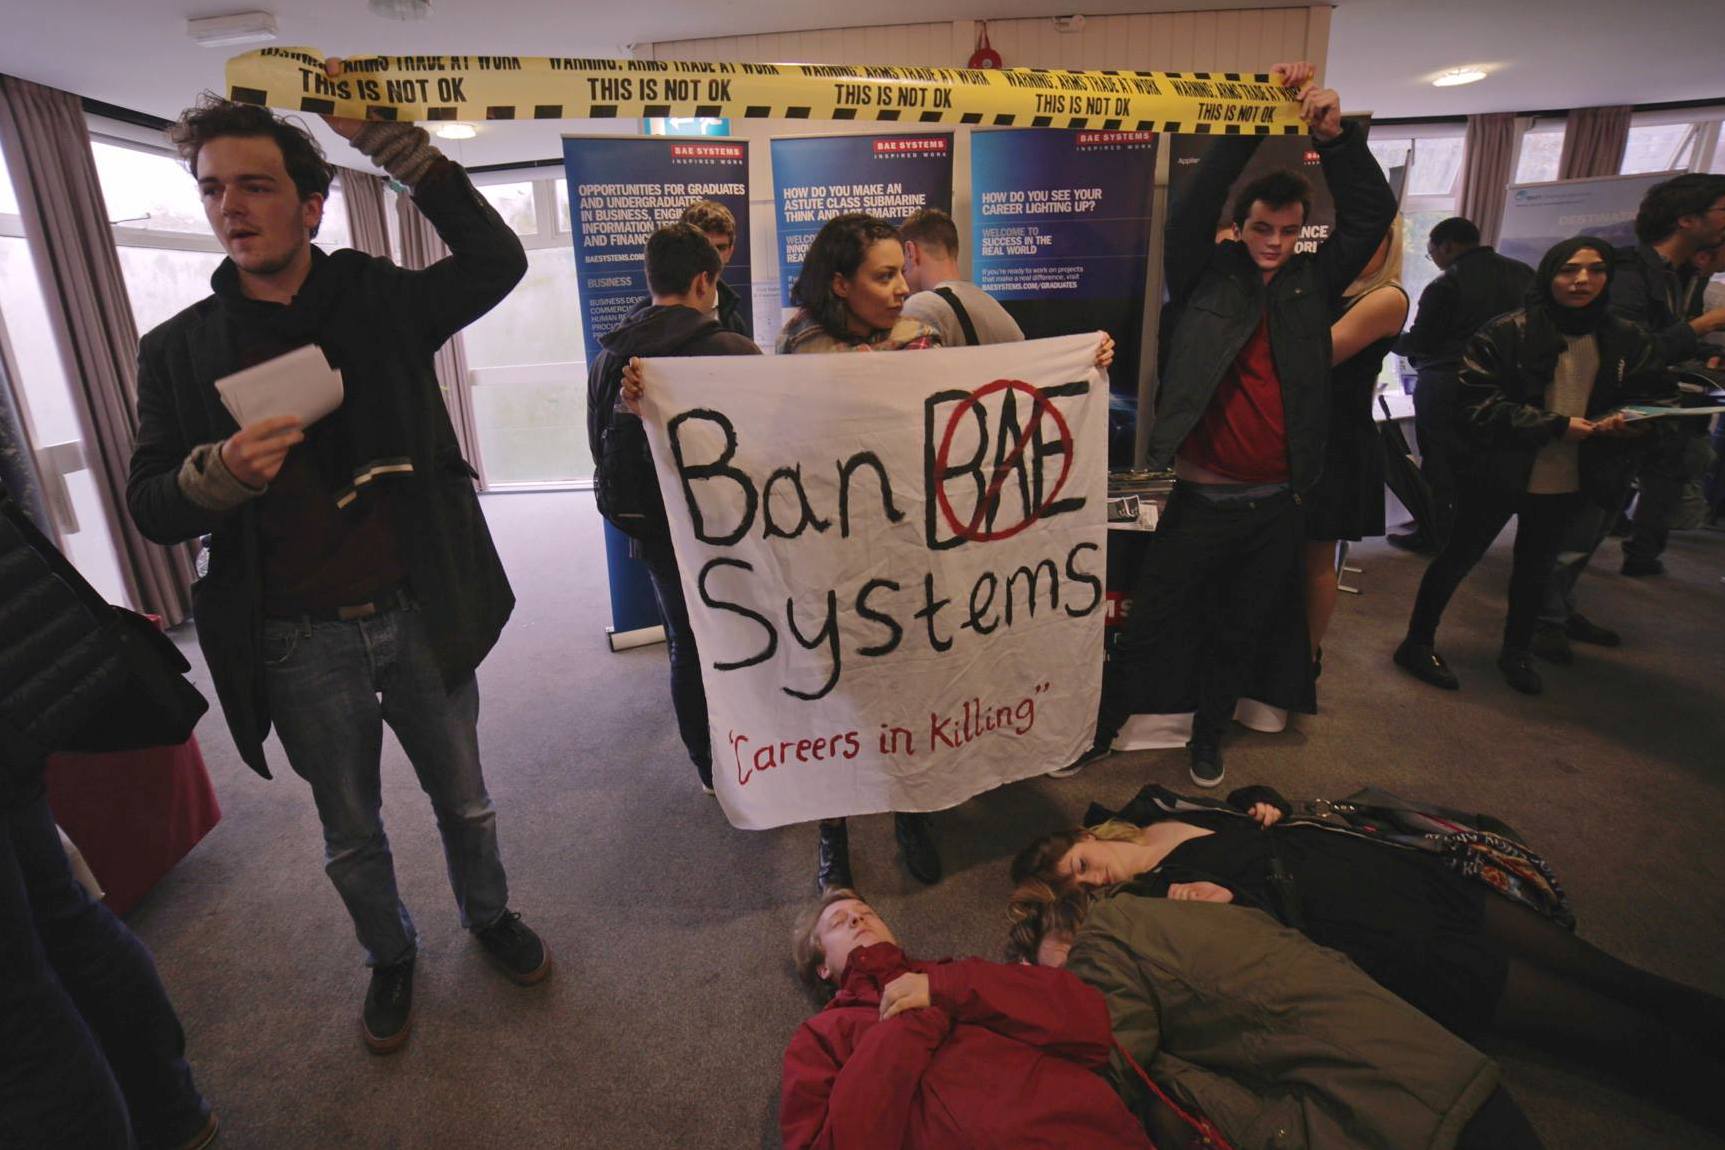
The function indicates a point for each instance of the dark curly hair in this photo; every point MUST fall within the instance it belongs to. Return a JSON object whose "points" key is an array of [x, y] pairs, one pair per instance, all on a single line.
{"points": [[213, 118], [1274, 190], [840, 247], [1666, 204]]}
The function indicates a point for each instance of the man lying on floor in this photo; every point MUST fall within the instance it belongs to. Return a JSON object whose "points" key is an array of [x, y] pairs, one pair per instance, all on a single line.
{"points": [[940, 1054], [1270, 1040]]}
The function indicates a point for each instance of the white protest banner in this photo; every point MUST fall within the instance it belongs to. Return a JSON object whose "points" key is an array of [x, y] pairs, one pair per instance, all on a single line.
{"points": [[894, 566]]}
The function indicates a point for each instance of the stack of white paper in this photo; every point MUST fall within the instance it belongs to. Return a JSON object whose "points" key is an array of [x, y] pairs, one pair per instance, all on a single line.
{"points": [[301, 384]]}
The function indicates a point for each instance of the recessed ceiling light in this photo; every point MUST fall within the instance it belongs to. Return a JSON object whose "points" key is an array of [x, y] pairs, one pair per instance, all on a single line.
{"points": [[1455, 76], [457, 131], [227, 31]]}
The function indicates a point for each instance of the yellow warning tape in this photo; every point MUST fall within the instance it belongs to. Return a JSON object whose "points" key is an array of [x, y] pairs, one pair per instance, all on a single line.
{"points": [[572, 88]]}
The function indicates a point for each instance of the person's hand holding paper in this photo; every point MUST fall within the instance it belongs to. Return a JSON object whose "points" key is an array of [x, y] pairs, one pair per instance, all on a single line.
{"points": [[273, 402], [256, 452]]}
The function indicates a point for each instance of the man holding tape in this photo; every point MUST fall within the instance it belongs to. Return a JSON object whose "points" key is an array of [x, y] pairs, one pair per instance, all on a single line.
{"points": [[1242, 415], [352, 580]]}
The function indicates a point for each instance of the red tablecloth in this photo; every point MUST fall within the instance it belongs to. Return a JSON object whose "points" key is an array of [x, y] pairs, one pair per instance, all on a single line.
{"points": [[133, 814]]}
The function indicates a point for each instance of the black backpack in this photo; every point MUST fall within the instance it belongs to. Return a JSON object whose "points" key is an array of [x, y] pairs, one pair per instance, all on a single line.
{"points": [[625, 484]]}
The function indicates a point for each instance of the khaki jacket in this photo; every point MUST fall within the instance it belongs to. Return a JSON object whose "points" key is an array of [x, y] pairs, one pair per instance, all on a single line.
{"points": [[1282, 1043]]}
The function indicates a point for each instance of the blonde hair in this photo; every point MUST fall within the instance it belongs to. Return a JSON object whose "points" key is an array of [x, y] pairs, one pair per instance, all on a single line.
{"points": [[807, 953], [1041, 859], [1389, 275]]}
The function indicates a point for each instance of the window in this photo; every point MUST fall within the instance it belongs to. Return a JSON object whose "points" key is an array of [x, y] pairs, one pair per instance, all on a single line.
{"points": [[1434, 158], [1659, 148], [525, 357], [1392, 153], [27, 334], [514, 202], [1436, 163], [1541, 153]]}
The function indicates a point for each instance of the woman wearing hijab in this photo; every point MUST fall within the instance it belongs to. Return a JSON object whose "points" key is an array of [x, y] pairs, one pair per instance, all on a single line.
{"points": [[1348, 501], [1539, 390]]}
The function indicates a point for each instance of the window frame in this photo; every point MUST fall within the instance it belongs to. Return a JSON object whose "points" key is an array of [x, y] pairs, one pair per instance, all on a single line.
{"points": [[548, 234]]}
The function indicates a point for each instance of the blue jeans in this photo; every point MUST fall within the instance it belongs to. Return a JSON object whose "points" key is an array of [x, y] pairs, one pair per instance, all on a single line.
{"points": [[331, 687], [91, 1052]]}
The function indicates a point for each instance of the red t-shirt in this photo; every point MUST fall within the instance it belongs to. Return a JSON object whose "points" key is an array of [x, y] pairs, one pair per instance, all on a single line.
{"points": [[1244, 433]]}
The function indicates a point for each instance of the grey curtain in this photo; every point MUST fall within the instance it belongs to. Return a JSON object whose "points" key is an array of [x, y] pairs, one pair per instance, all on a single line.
{"points": [[1485, 171], [1593, 142], [47, 146], [420, 248], [18, 474], [367, 214]]}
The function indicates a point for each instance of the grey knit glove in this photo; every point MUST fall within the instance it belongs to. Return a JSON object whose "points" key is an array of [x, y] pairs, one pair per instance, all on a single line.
{"points": [[402, 150]]}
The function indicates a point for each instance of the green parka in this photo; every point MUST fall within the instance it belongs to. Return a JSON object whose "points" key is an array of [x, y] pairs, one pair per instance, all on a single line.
{"points": [[1282, 1043]]}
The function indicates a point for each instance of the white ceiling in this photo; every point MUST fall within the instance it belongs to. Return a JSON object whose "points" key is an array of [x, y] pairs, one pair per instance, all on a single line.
{"points": [[1383, 53]]}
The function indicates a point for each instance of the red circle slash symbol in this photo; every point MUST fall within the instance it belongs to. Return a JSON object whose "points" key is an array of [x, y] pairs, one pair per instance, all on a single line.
{"points": [[1040, 408]]}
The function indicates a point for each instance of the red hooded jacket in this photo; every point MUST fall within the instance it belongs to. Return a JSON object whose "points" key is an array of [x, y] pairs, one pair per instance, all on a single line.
{"points": [[1005, 1056]]}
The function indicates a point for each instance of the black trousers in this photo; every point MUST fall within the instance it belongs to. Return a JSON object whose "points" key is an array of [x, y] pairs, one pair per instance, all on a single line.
{"points": [[1435, 418], [1481, 512], [1220, 568], [688, 696]]}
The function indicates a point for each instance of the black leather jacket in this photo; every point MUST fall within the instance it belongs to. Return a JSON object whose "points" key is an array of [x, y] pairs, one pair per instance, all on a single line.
{"points": [[1506, 421], [1221, 295]]}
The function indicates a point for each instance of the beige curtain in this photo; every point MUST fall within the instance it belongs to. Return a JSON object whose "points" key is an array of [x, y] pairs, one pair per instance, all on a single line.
{"points": [[367, 214], [420, 248], [1593, 142], [47, 146], [1485, 171]]}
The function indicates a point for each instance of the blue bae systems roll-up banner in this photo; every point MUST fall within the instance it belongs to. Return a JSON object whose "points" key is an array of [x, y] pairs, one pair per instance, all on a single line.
{"points": [[816, 178], [1060, 234], [1061, 237], [621, 189]]}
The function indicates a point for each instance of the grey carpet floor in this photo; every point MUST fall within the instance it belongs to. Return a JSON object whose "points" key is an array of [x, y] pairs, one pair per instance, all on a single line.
{"points": [[673, 999]]}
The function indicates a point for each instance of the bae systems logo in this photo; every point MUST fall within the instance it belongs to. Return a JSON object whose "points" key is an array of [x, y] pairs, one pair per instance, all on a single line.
{"points": [[1093, 141], [726, 152], [911, 145]]}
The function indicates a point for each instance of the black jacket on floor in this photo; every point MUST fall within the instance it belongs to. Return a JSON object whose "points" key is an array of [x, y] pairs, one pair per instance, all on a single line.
{"points": [[380, 325], [1220, 296]]}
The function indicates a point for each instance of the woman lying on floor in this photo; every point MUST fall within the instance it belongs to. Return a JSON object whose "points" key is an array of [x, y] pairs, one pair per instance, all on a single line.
{"points": [[1273, 1041], [1446, 910]]}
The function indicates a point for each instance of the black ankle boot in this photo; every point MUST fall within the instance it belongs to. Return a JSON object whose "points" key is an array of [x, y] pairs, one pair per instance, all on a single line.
{"points": [[916, 838], [833, 859]]}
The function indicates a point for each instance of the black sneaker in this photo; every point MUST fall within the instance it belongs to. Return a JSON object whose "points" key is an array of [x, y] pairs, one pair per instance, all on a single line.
{"points": [[1424, 663], [388, 1017], [1636, 568], [1093, 753], [1552, 644], [705, 773], [1581, 630], [516, 950], [1206, 755], [833, 857], [915, 834], [1518, 672]]}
